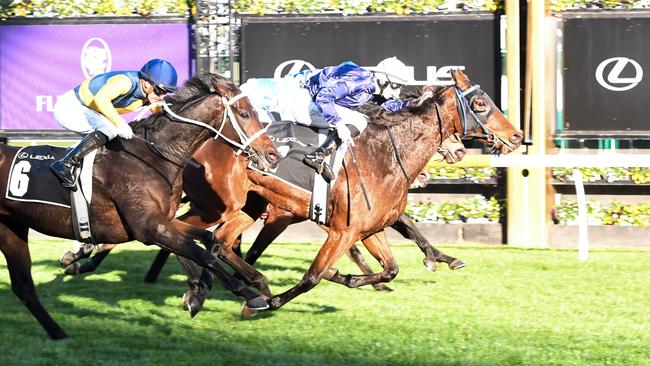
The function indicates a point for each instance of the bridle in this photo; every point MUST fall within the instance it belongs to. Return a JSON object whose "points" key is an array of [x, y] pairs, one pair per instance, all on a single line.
{"points": [[243, 145], [464, 101]]}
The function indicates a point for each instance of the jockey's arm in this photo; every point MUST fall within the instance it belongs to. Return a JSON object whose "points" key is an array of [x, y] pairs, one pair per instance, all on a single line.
{"points": [[325, 100], [103, 100]]}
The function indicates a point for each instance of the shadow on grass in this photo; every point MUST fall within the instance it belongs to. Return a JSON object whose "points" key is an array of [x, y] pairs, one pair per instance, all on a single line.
{"points": [[121, 278]]}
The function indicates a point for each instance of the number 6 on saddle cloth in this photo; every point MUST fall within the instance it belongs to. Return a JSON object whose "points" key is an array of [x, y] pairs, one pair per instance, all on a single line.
{"points": [[31, 180]]}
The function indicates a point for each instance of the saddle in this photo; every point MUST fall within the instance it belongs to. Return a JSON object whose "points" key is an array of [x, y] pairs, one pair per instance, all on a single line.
{"points": [[294, 141]]}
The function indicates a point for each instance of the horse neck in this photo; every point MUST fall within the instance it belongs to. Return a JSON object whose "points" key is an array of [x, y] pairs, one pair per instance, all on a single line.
{"points": [[181, 139], [417, 139]]}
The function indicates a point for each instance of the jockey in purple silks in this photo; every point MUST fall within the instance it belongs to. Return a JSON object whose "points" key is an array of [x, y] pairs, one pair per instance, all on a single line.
{"points": [[335, 91]]}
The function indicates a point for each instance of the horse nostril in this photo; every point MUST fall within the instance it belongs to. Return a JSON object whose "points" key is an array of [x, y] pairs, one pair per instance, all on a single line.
{"points": [[517, 137], [272, 157]]}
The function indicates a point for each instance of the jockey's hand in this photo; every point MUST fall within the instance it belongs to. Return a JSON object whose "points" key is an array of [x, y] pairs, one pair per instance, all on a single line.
{"points": [[344, 133], [124, 131]]}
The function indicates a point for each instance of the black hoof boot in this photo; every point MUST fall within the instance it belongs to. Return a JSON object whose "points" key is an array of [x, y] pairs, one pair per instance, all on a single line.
{"points": [[257, 303]]}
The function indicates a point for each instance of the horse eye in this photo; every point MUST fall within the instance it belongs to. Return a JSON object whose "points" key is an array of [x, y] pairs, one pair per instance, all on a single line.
{"points": [[244, 114], [480, 105]]}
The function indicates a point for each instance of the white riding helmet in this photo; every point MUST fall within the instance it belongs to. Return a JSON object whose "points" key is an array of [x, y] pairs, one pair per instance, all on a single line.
{"points": [[393, 70]]}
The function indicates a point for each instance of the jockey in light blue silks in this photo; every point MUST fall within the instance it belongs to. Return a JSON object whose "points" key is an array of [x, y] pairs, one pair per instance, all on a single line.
{"points": [[325, 98]]}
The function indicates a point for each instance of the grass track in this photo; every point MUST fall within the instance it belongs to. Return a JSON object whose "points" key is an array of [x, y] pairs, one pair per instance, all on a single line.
{"points": [[508, 307]]}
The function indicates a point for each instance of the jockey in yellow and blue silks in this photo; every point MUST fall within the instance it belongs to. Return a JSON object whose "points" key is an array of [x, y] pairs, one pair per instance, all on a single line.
{"points": [[335, 90], [94, 109]]}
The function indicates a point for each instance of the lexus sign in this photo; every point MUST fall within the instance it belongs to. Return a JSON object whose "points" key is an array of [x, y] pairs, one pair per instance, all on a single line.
{"points": [[608, 74], [604, 59]]}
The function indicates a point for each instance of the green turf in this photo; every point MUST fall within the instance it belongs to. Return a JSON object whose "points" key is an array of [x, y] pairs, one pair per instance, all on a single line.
{"points": [[508, 307]]}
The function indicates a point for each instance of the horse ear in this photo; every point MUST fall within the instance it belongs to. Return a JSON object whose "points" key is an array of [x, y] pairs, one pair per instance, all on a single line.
{"points": [[459, 77]]}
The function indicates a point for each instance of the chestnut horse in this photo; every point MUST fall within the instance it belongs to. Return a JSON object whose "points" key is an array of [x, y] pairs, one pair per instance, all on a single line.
{"points": [[461, 108], [137, 187]]}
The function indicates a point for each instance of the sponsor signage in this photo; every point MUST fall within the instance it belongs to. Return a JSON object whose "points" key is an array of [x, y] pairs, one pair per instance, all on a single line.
{"points": [[39, 62], [430, 45], [605, 81]]}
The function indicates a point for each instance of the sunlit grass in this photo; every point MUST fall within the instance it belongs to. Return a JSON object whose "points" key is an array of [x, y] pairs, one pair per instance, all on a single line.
{"points": [[508, 307]]}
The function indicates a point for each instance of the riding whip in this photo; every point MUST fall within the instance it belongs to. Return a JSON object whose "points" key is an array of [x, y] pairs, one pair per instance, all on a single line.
{"points": [[363, 186]]}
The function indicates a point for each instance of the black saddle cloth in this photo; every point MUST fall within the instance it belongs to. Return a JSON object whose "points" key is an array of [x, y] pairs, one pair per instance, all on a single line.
{"points": [[30, 177], [294, 141]]}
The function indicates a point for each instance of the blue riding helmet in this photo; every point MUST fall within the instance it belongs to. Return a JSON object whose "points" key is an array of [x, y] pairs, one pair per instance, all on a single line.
{"points": [[161, 74]]}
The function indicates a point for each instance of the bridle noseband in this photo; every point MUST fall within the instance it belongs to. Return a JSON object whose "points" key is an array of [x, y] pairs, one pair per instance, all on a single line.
{"points": [[244, 144]]}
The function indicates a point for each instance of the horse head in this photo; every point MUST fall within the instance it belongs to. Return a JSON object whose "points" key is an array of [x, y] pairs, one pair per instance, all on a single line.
{"points": [[215, 103], [246, 124], [480, 119]]}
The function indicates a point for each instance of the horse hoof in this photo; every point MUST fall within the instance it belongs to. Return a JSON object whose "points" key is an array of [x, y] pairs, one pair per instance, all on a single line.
{"points": [[66, 259], [382, 287], [430, 264], [257, 303], [72, 269], [186, 296], [456, 264], [58, 335], [247, 312]]}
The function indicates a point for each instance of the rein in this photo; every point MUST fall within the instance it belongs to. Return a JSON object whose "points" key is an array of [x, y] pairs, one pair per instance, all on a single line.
{"points": [[244, 142], [243, 145]]}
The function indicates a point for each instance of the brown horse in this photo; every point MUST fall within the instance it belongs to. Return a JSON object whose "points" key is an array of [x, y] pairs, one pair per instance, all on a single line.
{"points": [[137, 187], [462, 108]]}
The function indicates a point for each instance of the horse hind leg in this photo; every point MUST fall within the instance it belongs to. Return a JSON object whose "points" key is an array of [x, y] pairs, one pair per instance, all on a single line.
{"points": [[15, 249], [69, 257], [377, 245], [405, 226], [355, 255], [92, 264]]}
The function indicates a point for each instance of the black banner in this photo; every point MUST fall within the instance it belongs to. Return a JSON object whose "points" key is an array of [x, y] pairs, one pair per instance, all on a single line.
{"points": [[430, 44], [605, 88]]}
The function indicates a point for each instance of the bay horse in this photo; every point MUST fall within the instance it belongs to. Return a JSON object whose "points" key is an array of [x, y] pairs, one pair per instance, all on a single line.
{"points": [[460, 108], [137, 187]]}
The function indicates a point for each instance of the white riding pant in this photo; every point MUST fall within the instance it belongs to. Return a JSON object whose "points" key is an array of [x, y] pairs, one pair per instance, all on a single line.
{"points": [[306, 112], [76, 117]]}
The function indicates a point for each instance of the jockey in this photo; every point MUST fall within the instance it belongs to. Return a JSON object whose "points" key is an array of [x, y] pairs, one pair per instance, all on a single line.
{"points": [[93, 109], [335, 90]]}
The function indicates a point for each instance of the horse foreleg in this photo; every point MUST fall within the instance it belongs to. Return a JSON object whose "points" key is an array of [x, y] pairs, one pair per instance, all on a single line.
{"points": [[178, 238], [235, 224], [377, 245], [405, 226], [355, 255], [337, 243], [92, 264], [15, 249]]}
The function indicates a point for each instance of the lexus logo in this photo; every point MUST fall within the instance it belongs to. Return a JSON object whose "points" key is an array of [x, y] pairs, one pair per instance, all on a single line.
{"points": [[614, 81]]}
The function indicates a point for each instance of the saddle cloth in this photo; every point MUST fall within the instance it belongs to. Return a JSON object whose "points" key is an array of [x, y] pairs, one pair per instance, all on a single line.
{"points": [[294, 141], [31, 180]]}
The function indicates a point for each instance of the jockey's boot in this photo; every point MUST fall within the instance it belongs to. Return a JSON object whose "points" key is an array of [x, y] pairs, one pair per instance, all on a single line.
{"points": [[316, 158], [64, 168]]}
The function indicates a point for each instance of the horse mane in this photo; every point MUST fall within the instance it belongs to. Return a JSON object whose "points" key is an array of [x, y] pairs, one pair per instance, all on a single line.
{"points": [[381, 117], [197, 87]]}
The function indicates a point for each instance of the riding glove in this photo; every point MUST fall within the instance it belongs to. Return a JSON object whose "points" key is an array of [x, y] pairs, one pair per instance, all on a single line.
{"points": [[124, 131]]}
